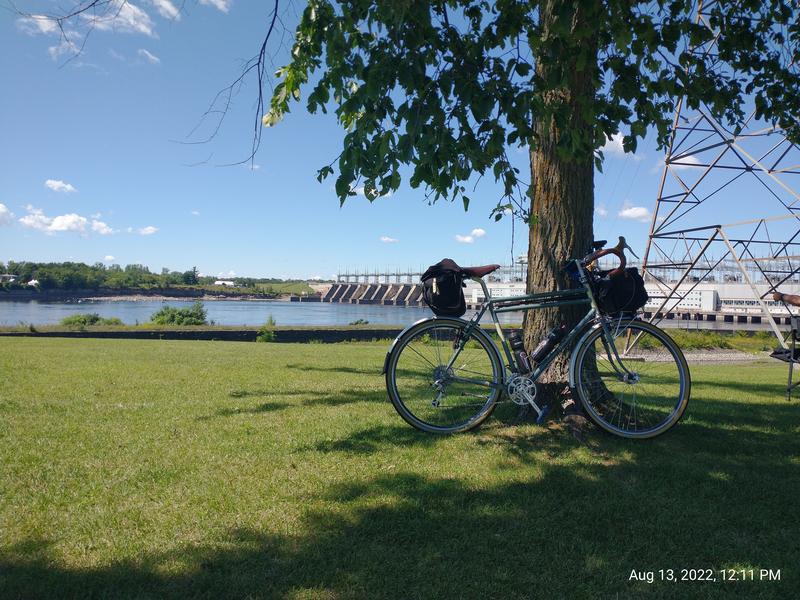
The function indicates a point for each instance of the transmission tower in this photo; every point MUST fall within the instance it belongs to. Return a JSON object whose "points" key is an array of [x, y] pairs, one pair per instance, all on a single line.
{"points": [[726, 197]]}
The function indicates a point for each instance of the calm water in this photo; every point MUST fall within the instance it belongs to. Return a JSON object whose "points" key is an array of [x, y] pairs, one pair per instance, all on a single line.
{"points": [[256, 312], [222, 312]]}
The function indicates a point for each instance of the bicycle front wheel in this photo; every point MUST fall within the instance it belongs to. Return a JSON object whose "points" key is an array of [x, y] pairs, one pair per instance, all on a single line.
{"points": [[634, 383], [441, 379]]}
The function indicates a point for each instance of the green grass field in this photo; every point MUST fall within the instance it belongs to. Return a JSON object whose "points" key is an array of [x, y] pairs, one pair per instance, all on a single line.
{"points": [[153, 469]]}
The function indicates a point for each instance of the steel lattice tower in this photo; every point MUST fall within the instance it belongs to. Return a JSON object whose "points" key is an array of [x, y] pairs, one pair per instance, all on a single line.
{"points": [[726, 198]]}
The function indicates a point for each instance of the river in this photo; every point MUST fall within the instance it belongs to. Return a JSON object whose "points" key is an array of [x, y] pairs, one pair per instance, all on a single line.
{"points": [[256, 312], [222, 312]]}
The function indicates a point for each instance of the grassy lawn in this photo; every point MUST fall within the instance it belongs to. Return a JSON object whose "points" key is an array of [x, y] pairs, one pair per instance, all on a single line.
{"points": [[152, 469]]}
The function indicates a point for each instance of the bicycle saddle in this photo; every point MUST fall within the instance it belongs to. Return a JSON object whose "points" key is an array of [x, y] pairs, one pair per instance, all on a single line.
{"points": [[479, 271], [788, 298]]}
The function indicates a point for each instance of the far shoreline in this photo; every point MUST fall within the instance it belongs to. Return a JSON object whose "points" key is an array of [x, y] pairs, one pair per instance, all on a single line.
{"points": [[163, 295], [145, 298]]}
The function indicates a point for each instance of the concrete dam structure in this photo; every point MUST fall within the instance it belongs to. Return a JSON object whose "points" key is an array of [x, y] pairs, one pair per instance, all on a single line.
{"points": [[387, 294]]}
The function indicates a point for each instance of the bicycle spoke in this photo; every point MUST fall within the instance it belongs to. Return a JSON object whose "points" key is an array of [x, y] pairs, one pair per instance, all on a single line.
{"points": [[432, 396], [640, 395], [420, 355]]}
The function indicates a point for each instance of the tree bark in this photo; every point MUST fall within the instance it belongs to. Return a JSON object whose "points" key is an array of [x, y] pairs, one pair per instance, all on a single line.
{"points": [[562, 190]]}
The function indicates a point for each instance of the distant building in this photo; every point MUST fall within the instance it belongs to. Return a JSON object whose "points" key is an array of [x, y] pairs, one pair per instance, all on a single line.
{"points": [[7, 278], [225, 282], [33, 283]]}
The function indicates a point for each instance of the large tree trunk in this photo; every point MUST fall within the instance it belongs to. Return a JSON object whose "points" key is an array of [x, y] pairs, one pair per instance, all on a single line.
{"points": [[562, 190]]}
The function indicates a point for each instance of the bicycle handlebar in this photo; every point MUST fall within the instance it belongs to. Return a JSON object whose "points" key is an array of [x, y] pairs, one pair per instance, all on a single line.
{"points": [[616, 252]]}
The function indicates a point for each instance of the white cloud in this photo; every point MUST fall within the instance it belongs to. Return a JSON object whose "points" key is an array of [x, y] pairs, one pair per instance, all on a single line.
{"points": [[101, 228], [38, 24], [167, 9], [123, 17], [149, 230], [196, 213], [634, 213], [614, 145], [65, 46], [69, 42], [473, 235], [686, 162], [59, 186], [68, 222], [228, 274], [223, 5], [388, 240], [148, 56], [6, 216], [115, 55], [108, 258], [601, 210], [36, 219]]}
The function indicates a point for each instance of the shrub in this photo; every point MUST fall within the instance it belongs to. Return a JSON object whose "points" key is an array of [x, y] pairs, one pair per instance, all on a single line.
{"points": [[82, 320], [359, 322], [169, 315], [267, 331]]}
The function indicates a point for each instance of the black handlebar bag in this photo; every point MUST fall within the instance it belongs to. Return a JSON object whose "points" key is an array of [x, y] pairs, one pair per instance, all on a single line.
{"points": [[442, 289], [621, 294]]}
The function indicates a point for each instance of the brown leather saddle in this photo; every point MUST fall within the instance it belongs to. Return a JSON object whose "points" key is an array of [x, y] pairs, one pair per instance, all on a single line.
{"points": [[479, 271], [787, 298]]}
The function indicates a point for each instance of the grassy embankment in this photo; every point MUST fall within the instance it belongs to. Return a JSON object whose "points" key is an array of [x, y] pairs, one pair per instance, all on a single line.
{"points": [[752, 342], [297, 288], [190, 469]]}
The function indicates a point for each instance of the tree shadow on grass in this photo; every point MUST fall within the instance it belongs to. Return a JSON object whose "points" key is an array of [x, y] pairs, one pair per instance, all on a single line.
{"points": [[376, 439], [565, 533], [351, 370], [309, 399]]}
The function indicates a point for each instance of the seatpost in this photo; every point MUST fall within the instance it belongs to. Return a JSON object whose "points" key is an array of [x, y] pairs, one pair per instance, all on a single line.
{"points": [[486, 299]]}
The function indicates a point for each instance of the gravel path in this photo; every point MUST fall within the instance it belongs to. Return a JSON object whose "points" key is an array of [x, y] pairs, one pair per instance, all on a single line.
{"points": [[723, 356], [701, 356]]}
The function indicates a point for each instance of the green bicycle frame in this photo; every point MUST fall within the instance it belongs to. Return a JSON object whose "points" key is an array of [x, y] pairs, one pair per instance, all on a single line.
{"points": [[555, 299]]}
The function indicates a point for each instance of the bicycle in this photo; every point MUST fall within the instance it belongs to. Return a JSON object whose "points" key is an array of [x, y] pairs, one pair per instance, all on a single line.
{"points": [[446, 374]]}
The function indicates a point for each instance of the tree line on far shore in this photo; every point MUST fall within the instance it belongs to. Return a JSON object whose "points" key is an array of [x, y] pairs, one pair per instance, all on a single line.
{"points": [[80, 276]]}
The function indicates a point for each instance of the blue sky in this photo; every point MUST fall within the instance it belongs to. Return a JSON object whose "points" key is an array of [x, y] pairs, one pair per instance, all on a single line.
{"points": [[94, 168]]}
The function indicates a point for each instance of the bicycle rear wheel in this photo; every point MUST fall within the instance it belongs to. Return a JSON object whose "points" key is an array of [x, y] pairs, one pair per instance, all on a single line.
{"points": [[640, 390], [442, 380]]}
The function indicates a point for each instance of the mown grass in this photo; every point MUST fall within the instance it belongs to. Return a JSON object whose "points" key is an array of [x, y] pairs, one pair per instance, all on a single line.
{"points": [[745, 341], [153, 469]]}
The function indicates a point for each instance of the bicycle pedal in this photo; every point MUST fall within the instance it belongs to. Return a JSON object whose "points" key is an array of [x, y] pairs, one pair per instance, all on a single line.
{"points": [[543, 415]]}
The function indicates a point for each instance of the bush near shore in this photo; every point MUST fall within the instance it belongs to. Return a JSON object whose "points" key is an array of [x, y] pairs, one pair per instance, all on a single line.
{"points": [[84, 320]]}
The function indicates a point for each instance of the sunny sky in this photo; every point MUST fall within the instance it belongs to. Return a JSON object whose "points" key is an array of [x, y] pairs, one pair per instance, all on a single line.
{"points": [[96, 166]]}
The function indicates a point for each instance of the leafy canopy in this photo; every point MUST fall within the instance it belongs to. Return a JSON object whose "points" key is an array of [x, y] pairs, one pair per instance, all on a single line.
{"points": [[446, 86]]}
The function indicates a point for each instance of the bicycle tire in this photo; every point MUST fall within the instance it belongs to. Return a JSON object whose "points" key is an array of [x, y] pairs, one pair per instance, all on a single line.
{"points": [[647, 401], [420, 387]]}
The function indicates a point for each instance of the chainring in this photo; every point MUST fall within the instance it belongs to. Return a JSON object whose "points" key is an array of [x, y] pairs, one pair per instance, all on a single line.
{"points": [[521, 389]]}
